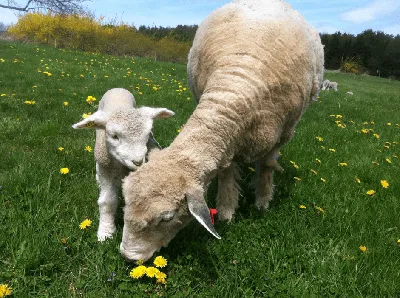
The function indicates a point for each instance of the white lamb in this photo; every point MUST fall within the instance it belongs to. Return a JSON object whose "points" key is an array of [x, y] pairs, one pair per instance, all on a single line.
{"points": [[328, 85], [123, 140], [254, 68]]}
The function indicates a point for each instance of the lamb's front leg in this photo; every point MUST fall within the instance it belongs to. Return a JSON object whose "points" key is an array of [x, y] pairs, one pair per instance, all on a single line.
{"points": [[264, 187], [107, 202], [228, 192]]}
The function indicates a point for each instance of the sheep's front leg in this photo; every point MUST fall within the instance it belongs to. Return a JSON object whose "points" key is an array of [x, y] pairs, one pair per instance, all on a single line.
{"points": [[228, 192], [264, 188], [107, 202]]}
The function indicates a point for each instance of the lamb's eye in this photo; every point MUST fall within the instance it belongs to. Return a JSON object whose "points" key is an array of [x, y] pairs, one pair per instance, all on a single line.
{"points": [[115, 137]]}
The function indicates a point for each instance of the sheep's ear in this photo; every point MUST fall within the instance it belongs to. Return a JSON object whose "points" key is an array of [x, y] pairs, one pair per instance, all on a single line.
{"points": [[157, 113], [198, 208], [97, 120]]}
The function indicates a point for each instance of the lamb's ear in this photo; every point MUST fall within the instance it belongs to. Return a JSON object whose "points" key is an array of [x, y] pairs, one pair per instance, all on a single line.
{"points": [[97, 120], [198, 208], [157, 113]]}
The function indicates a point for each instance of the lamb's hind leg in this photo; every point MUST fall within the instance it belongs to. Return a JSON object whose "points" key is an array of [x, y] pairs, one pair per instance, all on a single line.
{"points": [[107, 203], [264, 188], [228, 192]]}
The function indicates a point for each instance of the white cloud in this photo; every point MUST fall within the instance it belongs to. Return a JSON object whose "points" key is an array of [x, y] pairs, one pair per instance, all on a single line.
{"points": [[327, 29], [375, 10], [395, 29]]}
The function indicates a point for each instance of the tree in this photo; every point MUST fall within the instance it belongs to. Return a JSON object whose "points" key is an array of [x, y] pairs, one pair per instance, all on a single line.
{"points": [[61, 6]]}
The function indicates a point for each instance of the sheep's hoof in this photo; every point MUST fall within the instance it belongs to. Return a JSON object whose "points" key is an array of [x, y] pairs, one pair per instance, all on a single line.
{"points": [[262, 206], [226, 215]]}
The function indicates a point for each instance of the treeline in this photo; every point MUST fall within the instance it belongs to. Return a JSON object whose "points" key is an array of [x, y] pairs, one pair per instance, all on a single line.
{"points": [[371, 52], [184, 33]]}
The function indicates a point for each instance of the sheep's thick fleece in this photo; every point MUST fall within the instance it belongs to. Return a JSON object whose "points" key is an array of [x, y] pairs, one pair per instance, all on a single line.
{"points": [[254, 68]]}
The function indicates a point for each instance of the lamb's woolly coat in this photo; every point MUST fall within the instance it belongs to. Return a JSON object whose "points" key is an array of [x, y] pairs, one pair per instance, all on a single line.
{"points": [[254, 68]]}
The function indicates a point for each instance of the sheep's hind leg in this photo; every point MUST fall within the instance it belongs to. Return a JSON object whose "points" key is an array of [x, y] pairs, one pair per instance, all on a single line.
{"points": [[228, 192], [107, 203], [264, 187]]}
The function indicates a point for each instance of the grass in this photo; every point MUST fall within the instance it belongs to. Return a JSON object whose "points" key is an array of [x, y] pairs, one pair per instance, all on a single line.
{"points": [[285, 252]]}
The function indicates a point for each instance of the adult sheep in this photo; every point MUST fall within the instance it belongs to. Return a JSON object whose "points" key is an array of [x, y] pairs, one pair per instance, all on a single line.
{"points": [[254, 67], [123, 141]]}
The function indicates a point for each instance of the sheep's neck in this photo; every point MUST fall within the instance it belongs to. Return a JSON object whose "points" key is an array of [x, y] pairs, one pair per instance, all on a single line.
{"points": [[208, 139]]}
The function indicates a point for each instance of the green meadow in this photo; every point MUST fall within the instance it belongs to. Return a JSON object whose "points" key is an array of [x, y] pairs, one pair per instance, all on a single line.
{"points": [[332, 230]]}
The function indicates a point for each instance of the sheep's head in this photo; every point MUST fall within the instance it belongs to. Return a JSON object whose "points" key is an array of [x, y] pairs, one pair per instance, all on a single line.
{"points": [[160, 199], [126, 131]]}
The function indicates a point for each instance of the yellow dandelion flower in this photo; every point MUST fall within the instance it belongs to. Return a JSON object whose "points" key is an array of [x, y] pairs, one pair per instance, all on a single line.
{"points": [[5, 290], [364, 130], [151, 271], [384, 184], [60, 148], [314, 172], [358, 180], [65, 103], [332, 150], [302, 207], [161, 281], [64, 171], [318, 160], [3, 94], [371, 192], [320, 209], [366, 123], [2, 60], [389, 124], [341, 125], [339, 116], [160, 275], [388, 160], [323, 180], [398, 242], [84, 224], [297, 178], [375, 163], [188, 98], [138, 271], [140, 93], [88, 149], [252, 169], [320, 139], [178, 130], [343, 164], [90, 99], [160, 262], [363, 248], [376, 135]]}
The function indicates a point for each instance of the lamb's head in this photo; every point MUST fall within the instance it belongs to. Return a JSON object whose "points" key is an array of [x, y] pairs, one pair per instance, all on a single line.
{"points": [[160, 199], [126, 131]]}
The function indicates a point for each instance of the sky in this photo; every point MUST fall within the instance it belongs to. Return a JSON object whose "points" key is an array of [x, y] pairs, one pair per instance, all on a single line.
{"points": [[328, 16]]}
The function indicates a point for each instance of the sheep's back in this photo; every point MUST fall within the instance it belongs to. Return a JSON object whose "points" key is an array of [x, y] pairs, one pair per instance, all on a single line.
{"points": [[259, 68]]}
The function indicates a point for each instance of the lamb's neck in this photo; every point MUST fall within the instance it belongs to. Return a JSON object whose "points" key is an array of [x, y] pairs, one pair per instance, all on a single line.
{"points": [[208, 140]]}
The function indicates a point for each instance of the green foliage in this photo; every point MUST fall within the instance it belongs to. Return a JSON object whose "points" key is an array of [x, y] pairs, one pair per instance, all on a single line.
{"points": [[285, 252], [350, 65], [84, 32], [377, 52]]}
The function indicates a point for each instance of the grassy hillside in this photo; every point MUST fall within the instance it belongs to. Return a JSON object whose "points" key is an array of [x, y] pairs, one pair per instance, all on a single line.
{"points": [[306, 245]]}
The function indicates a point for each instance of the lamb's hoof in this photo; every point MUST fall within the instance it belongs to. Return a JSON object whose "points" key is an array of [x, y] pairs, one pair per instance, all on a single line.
{"points": [[103, 234]]}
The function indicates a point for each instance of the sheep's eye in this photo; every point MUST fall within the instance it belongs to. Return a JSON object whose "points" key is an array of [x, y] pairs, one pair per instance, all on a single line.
{"points": [[115, 137]]}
